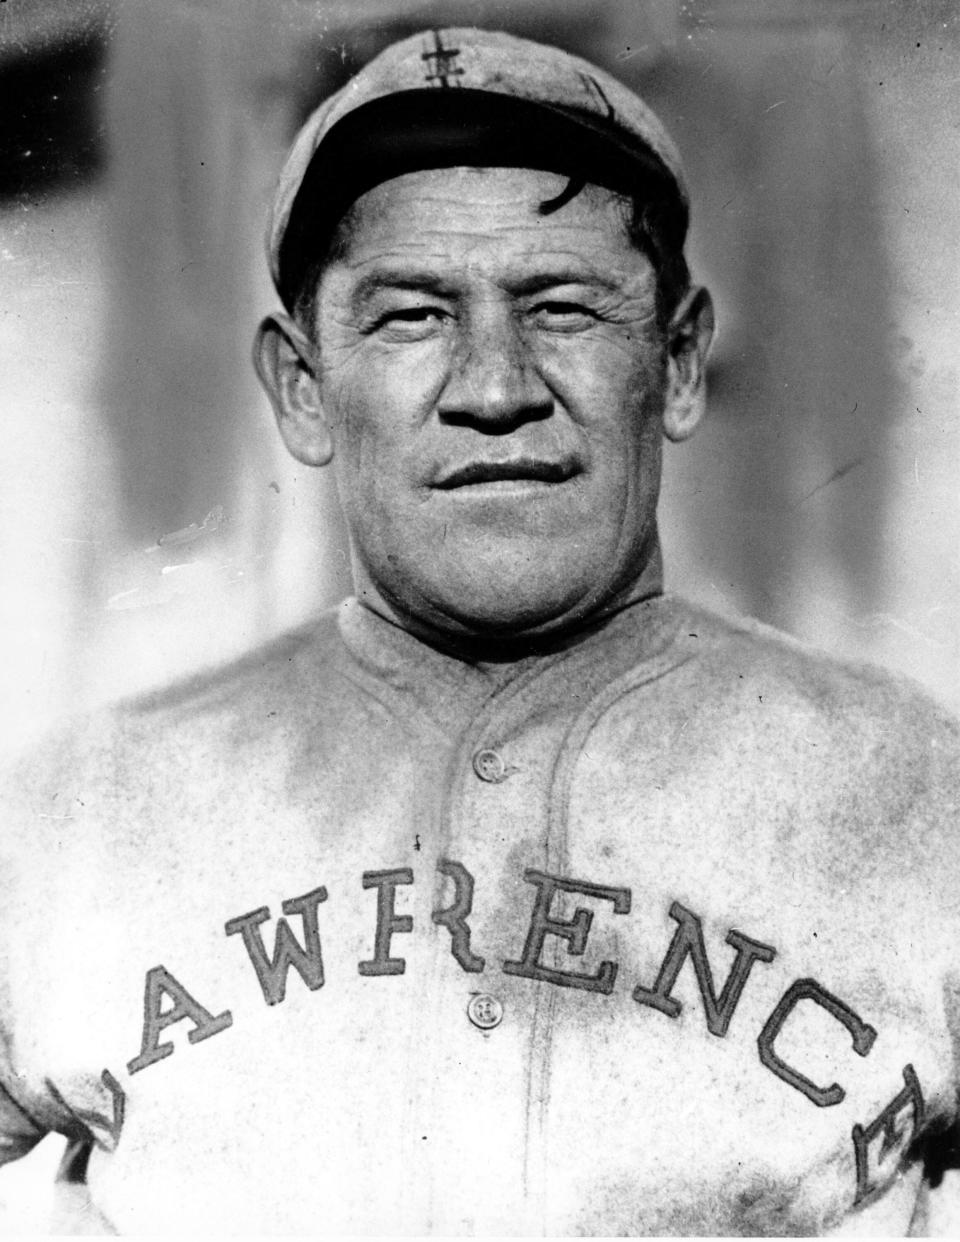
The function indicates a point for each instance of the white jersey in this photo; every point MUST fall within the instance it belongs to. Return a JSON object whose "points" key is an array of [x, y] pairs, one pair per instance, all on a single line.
{"points": [[656, 932]]}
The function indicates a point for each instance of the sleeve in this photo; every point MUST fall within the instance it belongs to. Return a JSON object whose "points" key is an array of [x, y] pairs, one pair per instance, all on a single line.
{"points": [[43, 843], [939, 1208], [19, 1132], [24, 778], [941, 1151]]}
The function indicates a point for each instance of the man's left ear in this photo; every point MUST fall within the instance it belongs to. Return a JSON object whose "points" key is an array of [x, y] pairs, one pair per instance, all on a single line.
{"points": [[688, 341]]}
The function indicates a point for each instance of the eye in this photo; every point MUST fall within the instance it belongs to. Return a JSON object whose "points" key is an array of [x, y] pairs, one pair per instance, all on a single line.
{"points": [[410, 323], [558, 316], [411, 314]]}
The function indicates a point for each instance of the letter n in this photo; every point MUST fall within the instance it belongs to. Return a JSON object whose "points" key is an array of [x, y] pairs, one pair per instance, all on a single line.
{"points": [[307, 961], [688, 941], [160, 983]]}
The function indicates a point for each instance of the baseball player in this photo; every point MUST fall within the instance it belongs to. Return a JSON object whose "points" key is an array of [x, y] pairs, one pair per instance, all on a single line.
{"points": [[517, 896]]}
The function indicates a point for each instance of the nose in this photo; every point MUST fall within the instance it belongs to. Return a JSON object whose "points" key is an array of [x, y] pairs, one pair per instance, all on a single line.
{"points": [[494, 383]]}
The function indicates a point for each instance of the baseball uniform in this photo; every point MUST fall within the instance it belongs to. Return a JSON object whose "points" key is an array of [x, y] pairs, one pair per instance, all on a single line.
{"points": [[653, 931]]}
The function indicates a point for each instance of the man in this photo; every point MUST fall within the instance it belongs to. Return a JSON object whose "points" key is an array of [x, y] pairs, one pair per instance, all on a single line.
{"points": [[518, 897]]}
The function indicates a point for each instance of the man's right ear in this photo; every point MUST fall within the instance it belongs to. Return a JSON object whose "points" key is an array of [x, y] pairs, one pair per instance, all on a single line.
{"points": [[285, 361]]}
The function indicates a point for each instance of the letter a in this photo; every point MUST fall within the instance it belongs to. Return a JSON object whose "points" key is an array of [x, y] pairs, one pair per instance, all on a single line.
{"points": [[159, 982]]}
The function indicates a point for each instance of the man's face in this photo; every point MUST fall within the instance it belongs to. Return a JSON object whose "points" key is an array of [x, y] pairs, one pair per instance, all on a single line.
{"points": [[493, 380]]}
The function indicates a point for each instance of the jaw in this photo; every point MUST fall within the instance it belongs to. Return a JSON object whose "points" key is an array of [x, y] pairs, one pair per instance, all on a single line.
{"points": [[486, 583]]}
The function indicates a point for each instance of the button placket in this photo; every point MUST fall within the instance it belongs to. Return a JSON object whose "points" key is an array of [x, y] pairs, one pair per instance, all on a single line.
{"points": [[489, 766], [485, 1011]]}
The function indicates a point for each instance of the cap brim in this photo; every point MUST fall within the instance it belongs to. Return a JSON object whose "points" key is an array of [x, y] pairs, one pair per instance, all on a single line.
{"points": [[412, 130]]}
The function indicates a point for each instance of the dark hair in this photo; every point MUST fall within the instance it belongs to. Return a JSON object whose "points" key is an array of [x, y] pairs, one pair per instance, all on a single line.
{"points": [[304, 298], [649, 227], [648, 231]]}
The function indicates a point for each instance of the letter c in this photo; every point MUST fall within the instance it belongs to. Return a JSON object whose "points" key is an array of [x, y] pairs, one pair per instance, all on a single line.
{"points": [[808, 989]]}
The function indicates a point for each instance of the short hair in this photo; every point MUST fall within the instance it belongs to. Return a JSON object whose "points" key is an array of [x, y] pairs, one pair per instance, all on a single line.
{"points": [[648, 227], [648, 231]]}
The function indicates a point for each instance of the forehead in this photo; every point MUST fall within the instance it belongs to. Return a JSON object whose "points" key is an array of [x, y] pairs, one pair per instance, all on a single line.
{"points": [[489, 219]]}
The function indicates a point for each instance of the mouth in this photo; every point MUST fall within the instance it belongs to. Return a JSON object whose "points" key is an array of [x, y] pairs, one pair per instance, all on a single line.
{"points": [[518, 470]]}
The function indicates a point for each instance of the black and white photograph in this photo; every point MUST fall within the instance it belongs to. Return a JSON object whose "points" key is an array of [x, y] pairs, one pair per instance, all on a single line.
{"points": [[480, 601]]}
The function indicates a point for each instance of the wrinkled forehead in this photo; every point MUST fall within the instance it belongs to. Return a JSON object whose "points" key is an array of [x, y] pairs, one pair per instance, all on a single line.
{"points": [[509, 226], [518, 205]]}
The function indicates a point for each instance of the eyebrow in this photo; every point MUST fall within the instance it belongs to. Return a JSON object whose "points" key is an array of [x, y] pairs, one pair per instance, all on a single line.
{"points": [[536, 282], [420, 281], [399, 278]]}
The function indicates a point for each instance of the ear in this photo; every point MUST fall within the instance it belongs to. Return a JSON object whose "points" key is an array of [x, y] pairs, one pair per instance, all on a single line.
{"points": [[285, 360], [688, 341]]}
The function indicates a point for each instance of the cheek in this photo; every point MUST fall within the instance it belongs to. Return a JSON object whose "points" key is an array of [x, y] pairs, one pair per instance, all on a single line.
{"points": [[373, 459], [377, 404], [618, 401], [363, 424], [613, 375], [627, 451]]}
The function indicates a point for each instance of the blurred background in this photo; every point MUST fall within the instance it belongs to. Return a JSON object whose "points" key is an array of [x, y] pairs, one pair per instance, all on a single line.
{"points": [[150, 522]]}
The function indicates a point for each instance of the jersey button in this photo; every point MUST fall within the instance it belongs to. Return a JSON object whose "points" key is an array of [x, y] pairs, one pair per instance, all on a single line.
{"points": [[489, 766], [485, 1011]]}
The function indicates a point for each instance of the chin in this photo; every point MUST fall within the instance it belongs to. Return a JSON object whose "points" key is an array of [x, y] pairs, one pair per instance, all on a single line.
{"points": [[508, 588], [511, 608]]}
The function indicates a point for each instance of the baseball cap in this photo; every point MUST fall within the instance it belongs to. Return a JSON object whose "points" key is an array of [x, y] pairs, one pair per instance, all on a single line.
{"points": [[463, 96]]}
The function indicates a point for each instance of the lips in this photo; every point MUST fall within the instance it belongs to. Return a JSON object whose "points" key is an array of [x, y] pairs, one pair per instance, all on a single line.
{"points": [[518, 469]]}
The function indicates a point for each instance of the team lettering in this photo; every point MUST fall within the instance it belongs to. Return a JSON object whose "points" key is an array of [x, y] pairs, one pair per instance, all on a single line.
{"points": [[167, 1002]]}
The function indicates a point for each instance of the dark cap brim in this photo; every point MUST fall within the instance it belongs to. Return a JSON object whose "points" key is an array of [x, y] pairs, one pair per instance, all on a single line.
{"points": [[435, 128]]}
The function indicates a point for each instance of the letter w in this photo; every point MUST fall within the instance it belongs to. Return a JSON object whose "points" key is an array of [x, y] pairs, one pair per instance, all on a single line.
{"points": [[287, 952], [688, 940]]}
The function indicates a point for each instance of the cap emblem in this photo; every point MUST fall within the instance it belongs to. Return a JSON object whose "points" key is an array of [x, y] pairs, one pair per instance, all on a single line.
{"points": [[441, 63]]}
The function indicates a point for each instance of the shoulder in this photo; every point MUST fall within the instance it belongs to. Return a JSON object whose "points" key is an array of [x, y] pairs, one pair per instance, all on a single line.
{"points": [[292, 665], [742, 666], [157, 740], [861, 757], [886, 750]]}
